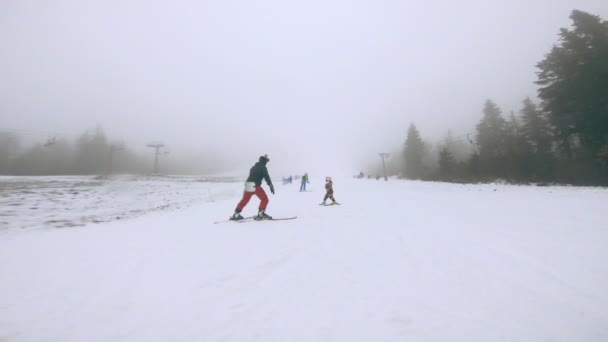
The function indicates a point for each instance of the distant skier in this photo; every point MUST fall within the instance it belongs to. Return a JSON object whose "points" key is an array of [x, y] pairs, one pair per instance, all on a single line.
{"points": [[329, 188], [304, 182], [253, 185]]}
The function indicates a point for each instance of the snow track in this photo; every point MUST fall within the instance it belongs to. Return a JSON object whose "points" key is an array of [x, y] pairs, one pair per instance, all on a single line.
{"points": [[398, 261]]}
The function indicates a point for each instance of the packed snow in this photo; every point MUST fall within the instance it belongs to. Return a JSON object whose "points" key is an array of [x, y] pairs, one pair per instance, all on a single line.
{"points": [[68, 201], [397, 261]]}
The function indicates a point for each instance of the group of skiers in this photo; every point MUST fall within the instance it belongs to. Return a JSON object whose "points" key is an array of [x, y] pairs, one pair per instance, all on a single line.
{"points": [[253, 186]]}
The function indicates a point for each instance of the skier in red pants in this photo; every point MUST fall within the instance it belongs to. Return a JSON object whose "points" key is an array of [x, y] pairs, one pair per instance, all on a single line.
{"points": [[253, 186]]}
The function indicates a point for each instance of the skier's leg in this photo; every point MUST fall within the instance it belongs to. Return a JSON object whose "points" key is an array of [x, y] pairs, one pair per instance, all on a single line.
{"points": [[246, 197], [239, 207], [262, 196], [263, 204]]}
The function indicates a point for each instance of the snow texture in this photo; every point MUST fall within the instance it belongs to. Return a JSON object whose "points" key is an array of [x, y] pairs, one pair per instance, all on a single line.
{"points": [[397, 261]]}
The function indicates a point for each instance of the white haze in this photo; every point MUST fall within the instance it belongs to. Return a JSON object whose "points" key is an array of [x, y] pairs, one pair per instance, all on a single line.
{"points": [[318, 85]]}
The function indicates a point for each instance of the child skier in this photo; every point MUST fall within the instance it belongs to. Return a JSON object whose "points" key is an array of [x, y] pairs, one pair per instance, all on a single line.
{"points": [[329, 188]]}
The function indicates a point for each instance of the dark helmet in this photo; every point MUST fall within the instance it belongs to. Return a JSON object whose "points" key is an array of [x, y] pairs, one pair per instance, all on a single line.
{"points": [[264, 159]]}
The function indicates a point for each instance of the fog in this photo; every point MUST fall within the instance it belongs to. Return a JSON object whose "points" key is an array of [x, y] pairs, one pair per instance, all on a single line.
{"points": [[319, 86]]}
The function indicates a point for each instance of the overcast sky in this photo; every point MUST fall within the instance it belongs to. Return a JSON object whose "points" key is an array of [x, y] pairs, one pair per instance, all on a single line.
{"points": [[316, 84]]}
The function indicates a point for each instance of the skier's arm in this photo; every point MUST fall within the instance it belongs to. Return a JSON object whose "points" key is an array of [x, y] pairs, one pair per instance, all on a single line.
{"points": [[267, 177], [268, 181]]}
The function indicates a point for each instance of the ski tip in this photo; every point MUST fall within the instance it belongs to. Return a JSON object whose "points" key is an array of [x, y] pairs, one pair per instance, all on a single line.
{"points": [[283, 218]]}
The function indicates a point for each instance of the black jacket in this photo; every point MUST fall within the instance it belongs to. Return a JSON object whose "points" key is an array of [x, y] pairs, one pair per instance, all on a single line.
{"points": [[259, 172]]}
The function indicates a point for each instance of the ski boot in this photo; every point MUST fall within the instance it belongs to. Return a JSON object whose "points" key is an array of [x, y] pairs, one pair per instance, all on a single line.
{"points": [[236, 216], [262, 216]]}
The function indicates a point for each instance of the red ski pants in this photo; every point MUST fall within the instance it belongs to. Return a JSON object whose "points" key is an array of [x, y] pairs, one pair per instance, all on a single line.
{"points": [[247, 196]]}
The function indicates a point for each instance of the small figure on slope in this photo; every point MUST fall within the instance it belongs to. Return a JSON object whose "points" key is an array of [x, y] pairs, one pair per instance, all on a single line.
{"points": [[304, 182], [329, 188], [253, 186]]}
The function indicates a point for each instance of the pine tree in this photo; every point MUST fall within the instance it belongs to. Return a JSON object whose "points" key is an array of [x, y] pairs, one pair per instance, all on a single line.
{"points": [[447, 164], [9, 145], [535, 128], [413, 153], [536, 132], [92, 153], [573, 81], [491, 139], [491, 132], [517, 151]]}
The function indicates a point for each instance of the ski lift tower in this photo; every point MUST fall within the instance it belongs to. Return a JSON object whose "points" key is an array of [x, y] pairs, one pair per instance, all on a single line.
{"points": [[157, 146], [384, 155]]}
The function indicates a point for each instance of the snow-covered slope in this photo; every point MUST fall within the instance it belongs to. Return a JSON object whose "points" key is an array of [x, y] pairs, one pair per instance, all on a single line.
{"points": [[70, 201], [398, 261]]}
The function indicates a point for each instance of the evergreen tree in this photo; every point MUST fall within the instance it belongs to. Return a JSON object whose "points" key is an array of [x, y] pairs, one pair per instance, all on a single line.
{"points": [[517, 152], [473, 168], [491, 136], [413, 153], [92, 154], [9, 145], [536, 132], [535, 128], [573, 81], [491, 132], [447, 164]]}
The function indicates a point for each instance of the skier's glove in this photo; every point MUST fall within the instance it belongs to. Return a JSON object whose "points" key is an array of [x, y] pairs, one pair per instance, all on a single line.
{"points": [[272, 188]]}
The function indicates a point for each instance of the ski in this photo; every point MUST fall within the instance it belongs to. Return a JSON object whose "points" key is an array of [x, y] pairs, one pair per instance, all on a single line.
{"points": [[330, 204], [272, 219], [248, 218], [252, 218]]}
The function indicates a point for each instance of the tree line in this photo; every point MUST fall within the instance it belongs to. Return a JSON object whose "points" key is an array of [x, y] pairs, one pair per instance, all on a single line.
{"points": [[90, 153], [93, 153], [562, 139]]}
